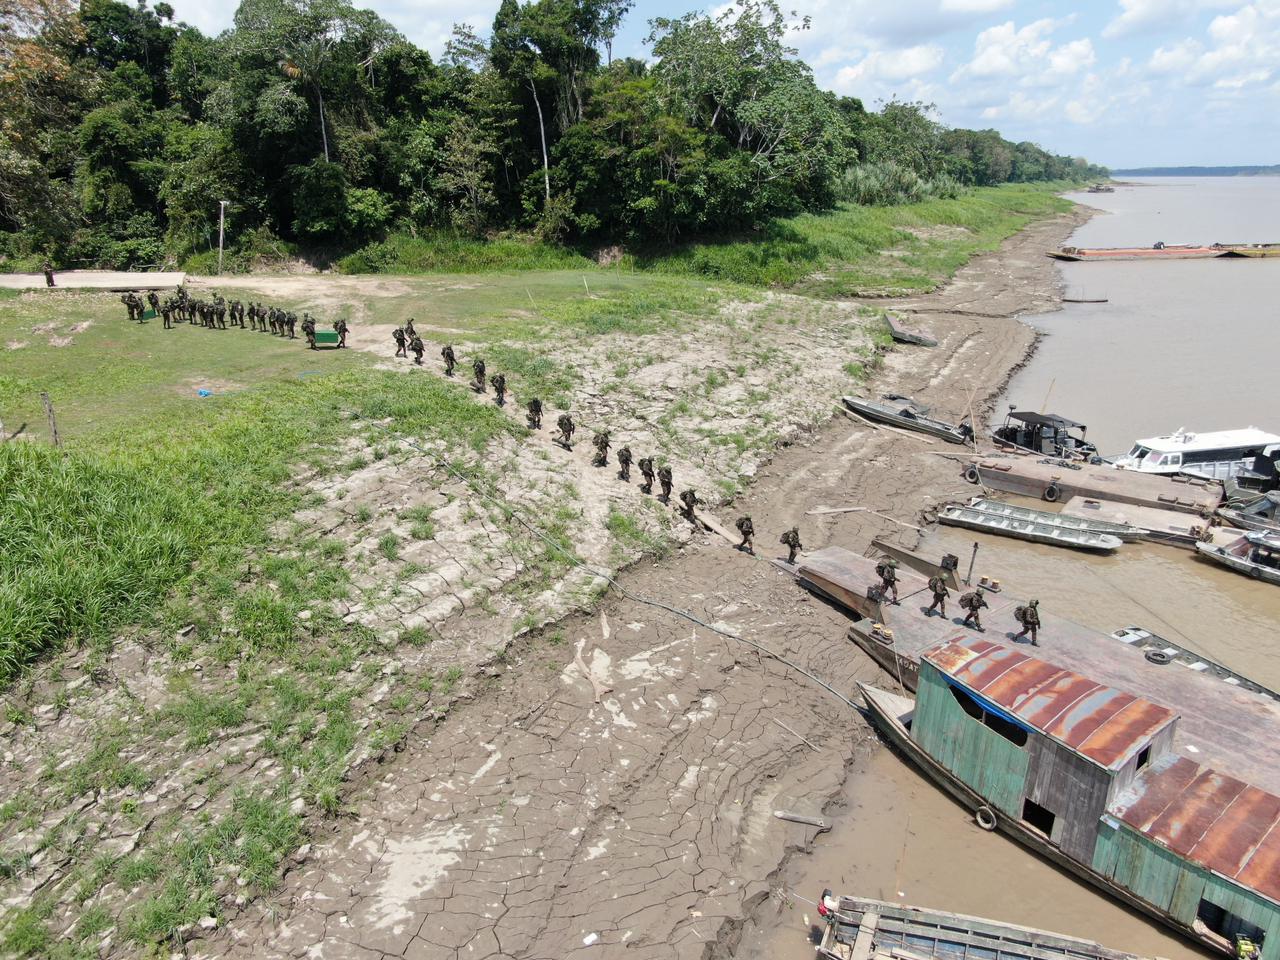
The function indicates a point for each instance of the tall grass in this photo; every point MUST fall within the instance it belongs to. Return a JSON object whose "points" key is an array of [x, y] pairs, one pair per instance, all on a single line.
{"points": [[888, 184], [453, 253], [94, 537]]}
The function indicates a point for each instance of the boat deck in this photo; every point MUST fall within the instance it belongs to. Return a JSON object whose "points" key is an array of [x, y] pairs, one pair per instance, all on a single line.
{"points": [[1030, 476], [1222, 725], [866, 929], [846, 578], [1158, 526]]}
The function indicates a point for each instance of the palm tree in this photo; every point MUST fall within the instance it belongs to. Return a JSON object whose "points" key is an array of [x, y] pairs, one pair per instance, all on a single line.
{"points": [[305, 61]]}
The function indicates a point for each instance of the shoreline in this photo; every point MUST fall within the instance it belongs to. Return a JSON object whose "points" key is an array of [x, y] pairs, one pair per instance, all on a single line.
{"points": [[666, 784]]}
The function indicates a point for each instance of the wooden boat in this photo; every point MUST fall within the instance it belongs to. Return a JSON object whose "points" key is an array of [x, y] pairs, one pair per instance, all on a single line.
{"points": [[1054, 480], [1098, 781], [1256, 554], [1024, 524], [1159, 251], [907, 416], [903, 334], [863, 929], [1261, 513], [1158, 650], [1122, 531], [1085, 300]]}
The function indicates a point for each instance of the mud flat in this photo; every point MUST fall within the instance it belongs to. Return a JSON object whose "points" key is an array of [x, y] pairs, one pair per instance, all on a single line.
{"points": [[611, 788]]}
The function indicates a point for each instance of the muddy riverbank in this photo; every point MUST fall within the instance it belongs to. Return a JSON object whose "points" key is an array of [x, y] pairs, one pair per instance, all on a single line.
{"points": [[612, 786]]}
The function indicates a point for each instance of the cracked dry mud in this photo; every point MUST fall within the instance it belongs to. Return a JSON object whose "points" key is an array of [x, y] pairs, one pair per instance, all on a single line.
{"points": [[542, 820]]}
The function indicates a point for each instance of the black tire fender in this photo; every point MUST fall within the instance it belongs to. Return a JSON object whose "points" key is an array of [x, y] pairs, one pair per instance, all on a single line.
{"points": [[985, 818], [1158, 657], [1052, 493], [971, 473]]}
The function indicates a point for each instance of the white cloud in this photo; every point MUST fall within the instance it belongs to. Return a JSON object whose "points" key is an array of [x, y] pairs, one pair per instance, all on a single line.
{"points": [[1005, 50], [1142, 16], [888, 65], [1072, 57], [1177, 58]]}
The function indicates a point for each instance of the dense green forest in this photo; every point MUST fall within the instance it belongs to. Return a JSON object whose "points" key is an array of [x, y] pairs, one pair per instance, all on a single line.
{"points": [[326, 130]]}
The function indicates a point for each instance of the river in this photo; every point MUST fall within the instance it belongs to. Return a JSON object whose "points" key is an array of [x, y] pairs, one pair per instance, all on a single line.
{"points": [[1180, 343], [1183, 343]]}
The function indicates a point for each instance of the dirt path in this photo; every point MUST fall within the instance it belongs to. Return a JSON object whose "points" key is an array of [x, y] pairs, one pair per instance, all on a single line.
{"points": [[538, 822]]}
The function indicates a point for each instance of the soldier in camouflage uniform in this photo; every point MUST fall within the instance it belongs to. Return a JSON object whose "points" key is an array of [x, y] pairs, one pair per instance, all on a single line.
{"points": [[401, 342], [748, 530], [791, 540], [1029, 617], [565, 424], [478, 384], [665, 481], [450, 361], [535, 414], [690, 500], [624, 464], [887, 571], [973, 603], [601, 442], [418, 348], [499, 382], [646, 471], [340, 328], [940, 594]]}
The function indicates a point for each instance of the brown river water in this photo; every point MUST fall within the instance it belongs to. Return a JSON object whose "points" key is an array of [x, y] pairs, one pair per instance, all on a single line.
{"points": [[1186, 343]]}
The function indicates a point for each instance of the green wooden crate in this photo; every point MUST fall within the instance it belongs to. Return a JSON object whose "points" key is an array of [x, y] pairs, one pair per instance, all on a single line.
{"points": [[327, 338]]}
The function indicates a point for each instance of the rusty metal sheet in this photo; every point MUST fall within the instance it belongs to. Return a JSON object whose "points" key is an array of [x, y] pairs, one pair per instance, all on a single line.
{"points": [[1127, 731], [1151, 793], [1262, 872], [980, 672], [1015, 685], [1229, 843], [1186, 820], [1100, 723]]}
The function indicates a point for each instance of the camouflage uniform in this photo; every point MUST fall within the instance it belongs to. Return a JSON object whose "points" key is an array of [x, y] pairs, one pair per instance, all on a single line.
{"points": [[665, 481], [535, 414], [418, 348], [340, 327], [940, 594], [450, 361], [690, 500], [565, 424], [887, 571], [499, 382], [477, 367], [748, 530], [601, 443], [791, 540], [1029, 617], [646, 470], [973, 603], [624, 464], [401, 343]]}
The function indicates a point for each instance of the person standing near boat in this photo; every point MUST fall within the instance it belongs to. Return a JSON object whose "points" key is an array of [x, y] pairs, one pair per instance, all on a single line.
{"points": [[940, 594], [1029, 617], [887, 571], [973, 603]]}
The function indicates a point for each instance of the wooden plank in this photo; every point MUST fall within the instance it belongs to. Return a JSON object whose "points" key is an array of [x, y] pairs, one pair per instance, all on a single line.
{"points": [[862, 946]]}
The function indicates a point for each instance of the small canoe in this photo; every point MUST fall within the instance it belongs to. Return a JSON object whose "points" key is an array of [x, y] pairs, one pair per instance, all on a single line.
{"points": [[998, 508], [1054, 534], [1256, 555], [906, 416], [863, 929]]}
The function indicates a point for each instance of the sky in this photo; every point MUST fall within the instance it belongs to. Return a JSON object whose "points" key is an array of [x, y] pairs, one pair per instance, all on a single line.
{"points": [[1121, 82]]}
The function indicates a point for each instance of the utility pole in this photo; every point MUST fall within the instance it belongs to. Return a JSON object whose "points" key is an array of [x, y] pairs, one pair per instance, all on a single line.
{"points": [[222, 222]]}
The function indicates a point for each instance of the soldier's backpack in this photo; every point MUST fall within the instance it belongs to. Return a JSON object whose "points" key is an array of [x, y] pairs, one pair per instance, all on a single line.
{"points": [[937, 584], [969, 600], [1020, 614], [882, 569]]}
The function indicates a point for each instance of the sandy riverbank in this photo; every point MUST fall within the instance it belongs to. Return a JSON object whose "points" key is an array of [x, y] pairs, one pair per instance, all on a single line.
{"points": [[551, 815]]}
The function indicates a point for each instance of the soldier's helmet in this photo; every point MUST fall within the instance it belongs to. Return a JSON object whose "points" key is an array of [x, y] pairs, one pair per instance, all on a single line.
{"points": [[1035, 603], [892, 562]]}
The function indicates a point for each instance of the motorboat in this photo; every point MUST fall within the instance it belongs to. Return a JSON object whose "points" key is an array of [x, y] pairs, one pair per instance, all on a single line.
{"points": [[1218, 455], [1044, 433], [1260, 513], [1256, 555], [903, 412]]}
